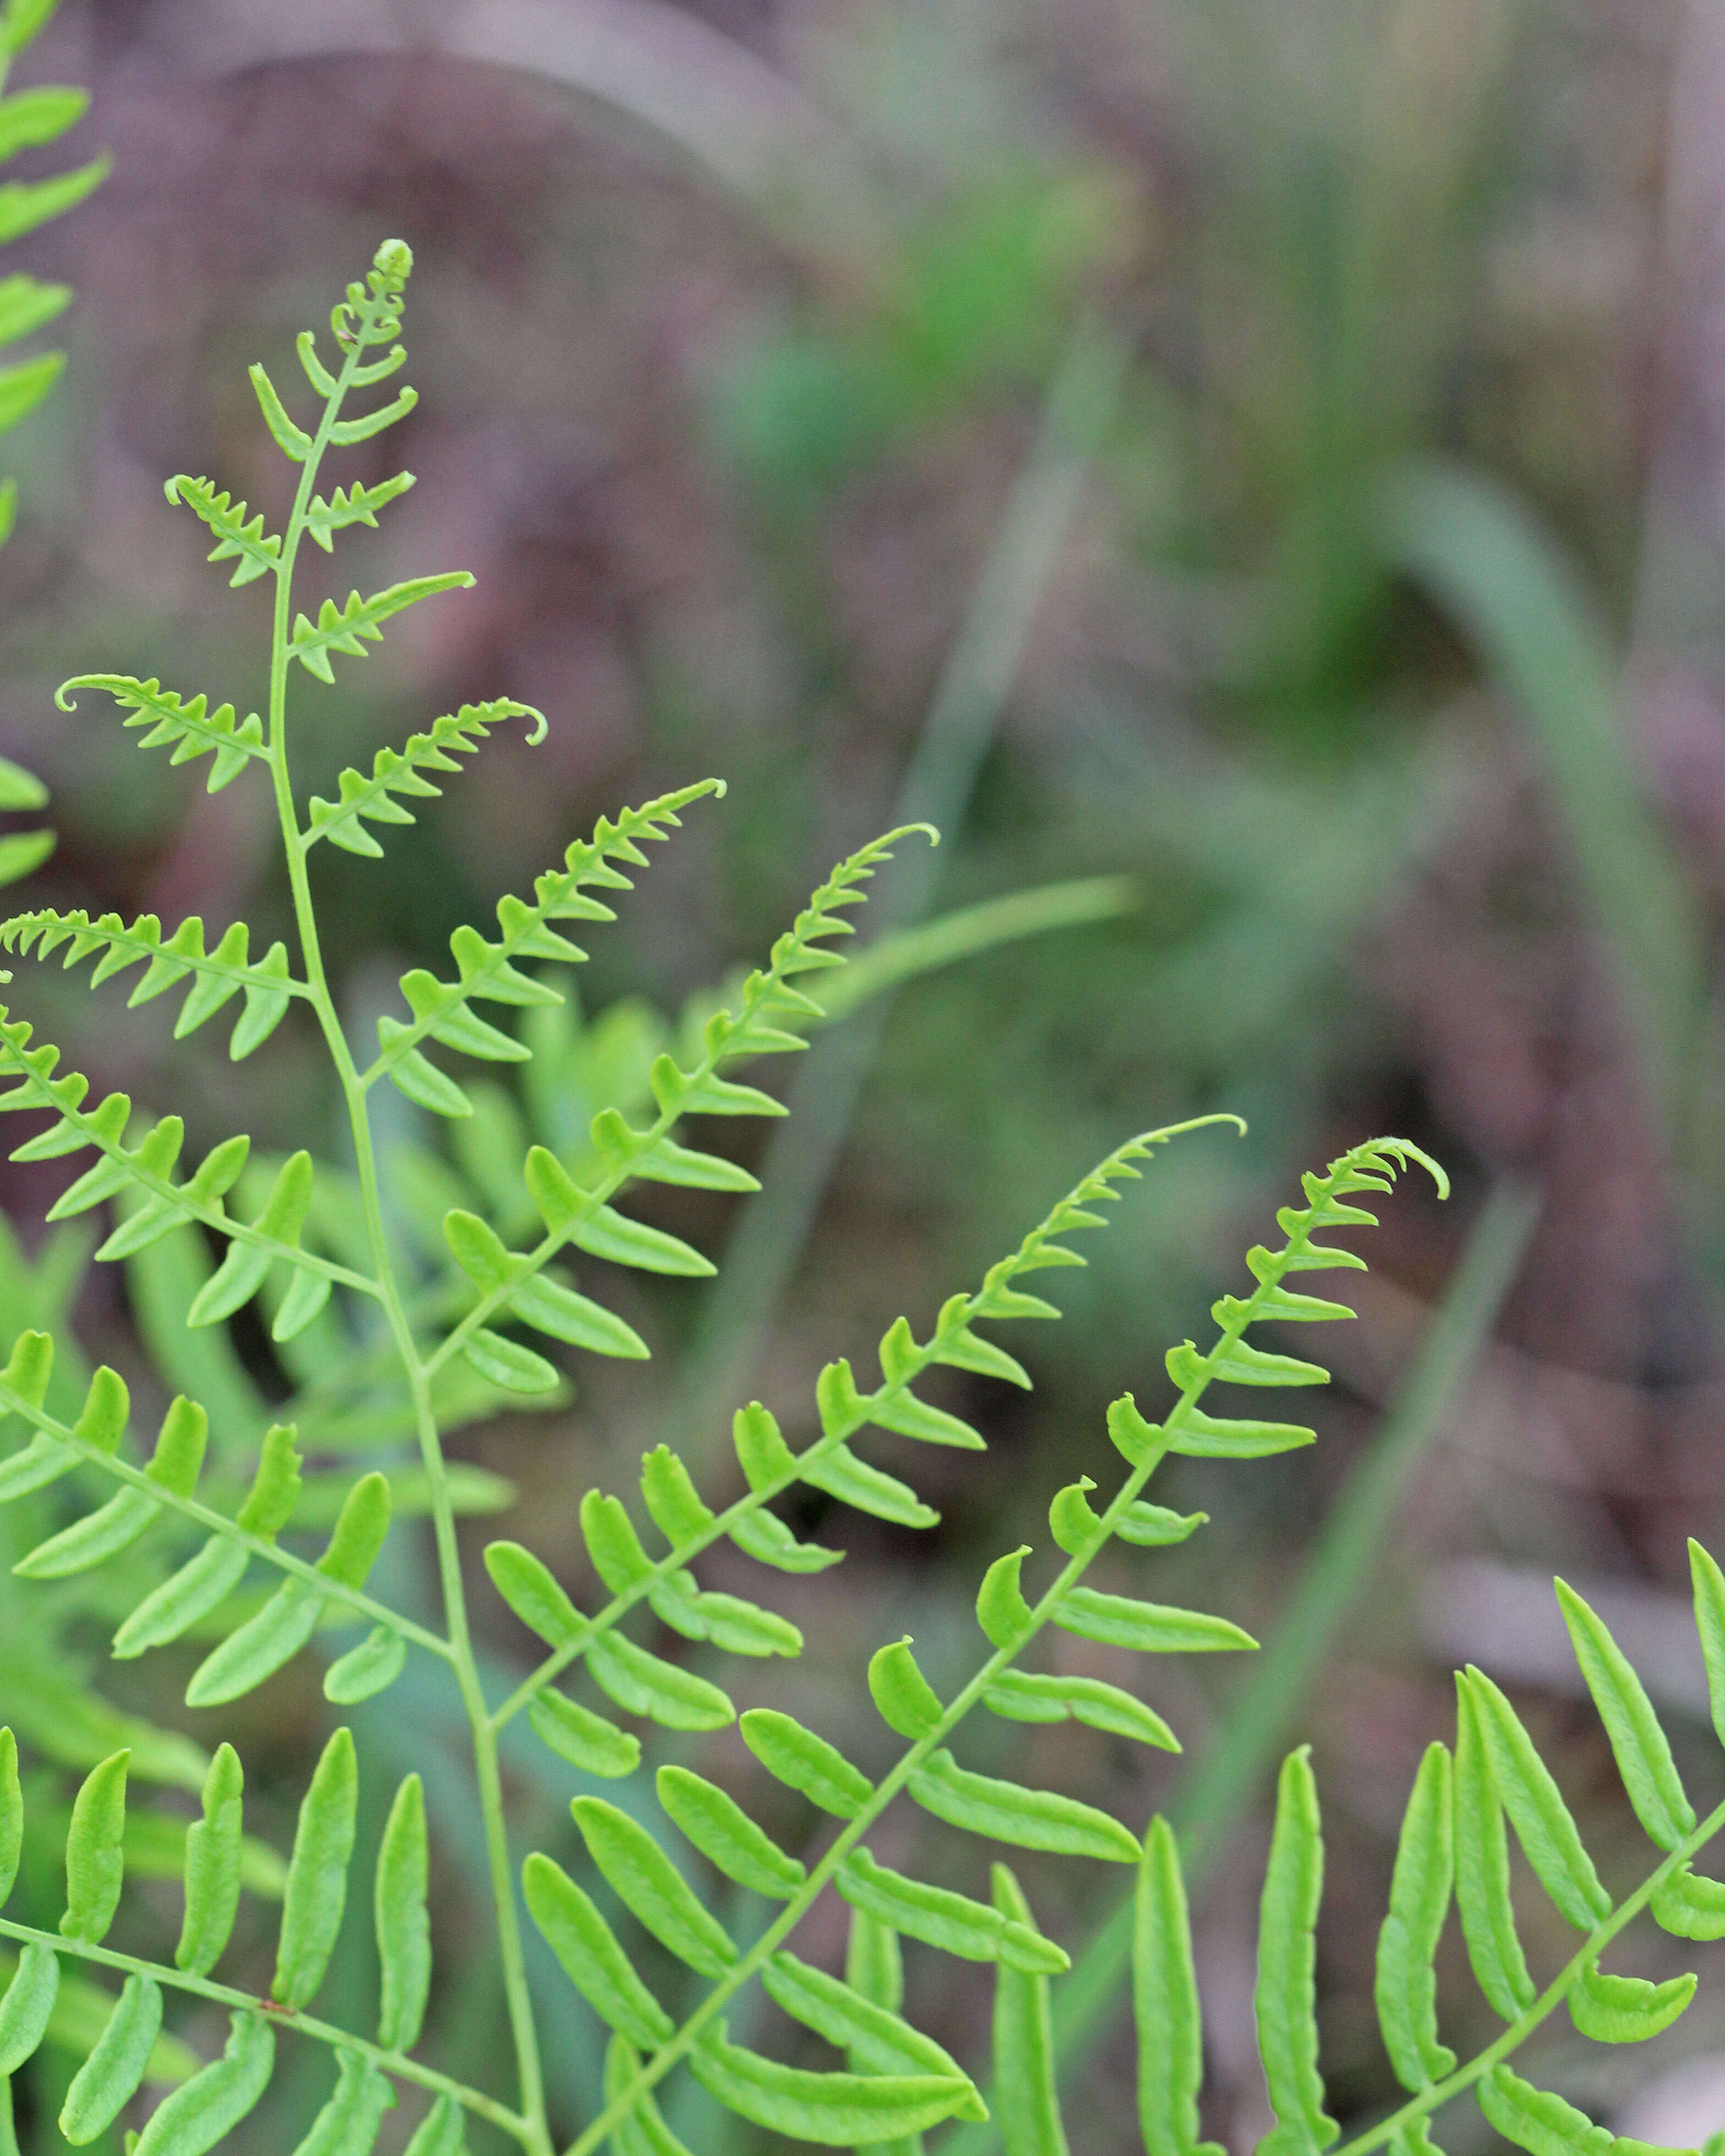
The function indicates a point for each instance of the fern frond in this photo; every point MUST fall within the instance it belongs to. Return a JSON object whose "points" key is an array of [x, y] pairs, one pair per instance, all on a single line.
{"points": [[354, 504], [123, 2045], [400, 771], [488, 970], [349, 629], [215, 978], [238, 539], [193, 727], [264, 1642], [1002, 1810], [509, 1283], [254, 1247], [771, 1469]]}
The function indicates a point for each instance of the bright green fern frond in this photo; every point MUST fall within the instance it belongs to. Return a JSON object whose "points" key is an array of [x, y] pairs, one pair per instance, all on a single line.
{"points": [[119, 2040], [254, 1247], [238, 539], [194, 1594], [400, 771], [349, 627], [215, 978], [770, 1468], [354, 504], [30, 118], [194, 729], [488, 971]]}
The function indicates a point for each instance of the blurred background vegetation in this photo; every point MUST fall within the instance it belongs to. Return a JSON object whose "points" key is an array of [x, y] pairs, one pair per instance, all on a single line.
{"points": [[1264, 455]]}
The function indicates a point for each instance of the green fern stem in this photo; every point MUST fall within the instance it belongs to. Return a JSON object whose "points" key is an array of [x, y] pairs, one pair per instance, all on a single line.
{"points": [[754, 1500], [1433, 2099], [322, 2032], [532, 2128], [653, 2069]]}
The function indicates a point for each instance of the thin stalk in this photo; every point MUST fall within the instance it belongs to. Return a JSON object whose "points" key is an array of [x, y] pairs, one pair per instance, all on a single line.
{"points": [[534, 2128], [1518, 2031], [1071, 1573], [323, 2032]]}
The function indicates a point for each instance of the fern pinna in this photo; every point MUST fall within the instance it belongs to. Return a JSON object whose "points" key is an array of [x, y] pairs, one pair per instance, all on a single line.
{"points": [[380, 1353]]}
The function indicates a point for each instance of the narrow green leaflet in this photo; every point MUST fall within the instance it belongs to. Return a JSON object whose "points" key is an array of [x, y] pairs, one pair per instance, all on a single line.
{"points": [[403, 1927], [95, 1864], [11, 1815], [114, 2072], [837, 2111], [1542, 1819], [1538, 2120], [1026, 2086], [213, 1860], [527, 1585], [28, 2003], [726, 1836], [643, 1683], [441, 2132], [1710, 1623], [1286, 1997], [195, 2117], [1151, 1628], [1488, 1921], [1001, 1608], [1028, 1819], [905, 1701], [317, 1874], [650, 1886], [973, 1931], [877, 2038], [351, 2121], [1690, 1905], [585, 1739], [1625, 2009], [807, 1763], [1024, 1696], [642, 2132], [1406, 1987], [1165, 2006], [1643, 1754], [875, 1972], [590, 1954]]}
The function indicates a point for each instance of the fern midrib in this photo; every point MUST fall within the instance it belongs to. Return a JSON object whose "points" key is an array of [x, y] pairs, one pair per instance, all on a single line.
{"points": [[533, 2127], [242, 977], [1432, 2099], [1023, 1260], [323, 2032], [213, 1522], [896, 1778]]}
